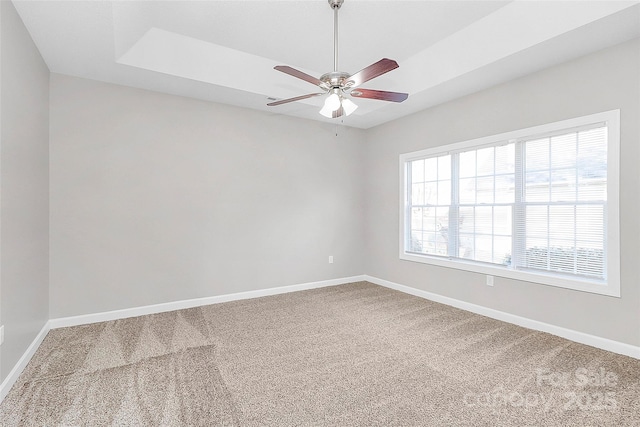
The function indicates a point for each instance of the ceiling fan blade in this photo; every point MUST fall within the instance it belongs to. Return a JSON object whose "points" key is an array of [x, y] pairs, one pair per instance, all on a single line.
{"points": [[299, 74], [372, 71], [379, 94], [297, 98]]}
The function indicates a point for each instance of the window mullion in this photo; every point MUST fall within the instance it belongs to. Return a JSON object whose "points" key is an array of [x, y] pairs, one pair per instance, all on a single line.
{"points": [[519, 211], [454, 208], [575, 239]]}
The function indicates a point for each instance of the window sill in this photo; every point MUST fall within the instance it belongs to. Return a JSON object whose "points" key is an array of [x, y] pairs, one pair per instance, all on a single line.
{"points": [[612, 288]]}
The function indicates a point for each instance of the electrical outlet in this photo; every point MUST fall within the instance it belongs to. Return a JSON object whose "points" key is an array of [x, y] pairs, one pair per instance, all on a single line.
{"points": [[330, 259], [489, 280]]}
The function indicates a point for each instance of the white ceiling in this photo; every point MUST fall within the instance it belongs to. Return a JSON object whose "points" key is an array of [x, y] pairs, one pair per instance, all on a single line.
{"points": [[225, 51]]}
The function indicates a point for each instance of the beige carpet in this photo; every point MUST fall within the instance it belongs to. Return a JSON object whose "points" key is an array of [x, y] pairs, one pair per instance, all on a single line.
{"points": [[355, 354]]}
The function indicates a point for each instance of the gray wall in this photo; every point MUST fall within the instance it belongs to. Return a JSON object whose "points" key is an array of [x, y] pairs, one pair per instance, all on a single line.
{"points": [[24, 188], [598, 82], [157, 198]]}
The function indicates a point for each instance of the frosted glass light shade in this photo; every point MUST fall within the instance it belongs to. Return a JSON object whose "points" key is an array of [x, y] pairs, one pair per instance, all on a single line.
{"points": [[332, 102], [327, 112], [348, 106]]}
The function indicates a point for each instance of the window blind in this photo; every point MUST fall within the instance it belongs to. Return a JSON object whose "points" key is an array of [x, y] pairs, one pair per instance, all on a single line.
{"points": [[561, 225]]}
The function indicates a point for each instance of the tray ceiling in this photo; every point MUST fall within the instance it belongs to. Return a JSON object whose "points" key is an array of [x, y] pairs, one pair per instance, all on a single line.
{"points": [[225, 51]]}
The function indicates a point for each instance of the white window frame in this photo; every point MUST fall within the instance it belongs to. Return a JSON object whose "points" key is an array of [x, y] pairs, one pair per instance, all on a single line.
{"points": [[612, 244]]}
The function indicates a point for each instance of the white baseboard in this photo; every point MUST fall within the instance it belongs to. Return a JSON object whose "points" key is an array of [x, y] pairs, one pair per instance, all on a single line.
{"points": [[10, 380], [570, 334], [63, 322]]}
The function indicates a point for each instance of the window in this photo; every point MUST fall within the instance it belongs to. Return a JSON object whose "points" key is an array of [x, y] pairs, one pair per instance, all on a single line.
{"points": [[538, 204]]}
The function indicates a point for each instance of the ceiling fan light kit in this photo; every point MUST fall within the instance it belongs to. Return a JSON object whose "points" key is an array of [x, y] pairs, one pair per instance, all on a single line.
{"points": [[340, 85]]}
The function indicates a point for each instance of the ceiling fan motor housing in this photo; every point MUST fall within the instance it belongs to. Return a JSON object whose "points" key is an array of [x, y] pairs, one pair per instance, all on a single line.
{"points": [[335, 79]]}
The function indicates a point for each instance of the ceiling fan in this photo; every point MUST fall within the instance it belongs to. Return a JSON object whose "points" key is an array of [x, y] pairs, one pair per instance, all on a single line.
{"points": [[338, 84]]}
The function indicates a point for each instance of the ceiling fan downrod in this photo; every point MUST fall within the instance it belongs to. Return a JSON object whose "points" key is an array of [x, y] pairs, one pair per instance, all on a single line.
{"points": [[335, 80], [335, 5]]}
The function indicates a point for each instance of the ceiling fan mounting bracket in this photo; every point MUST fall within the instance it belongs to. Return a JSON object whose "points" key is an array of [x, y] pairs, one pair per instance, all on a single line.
{"points": [[335, 4]]}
